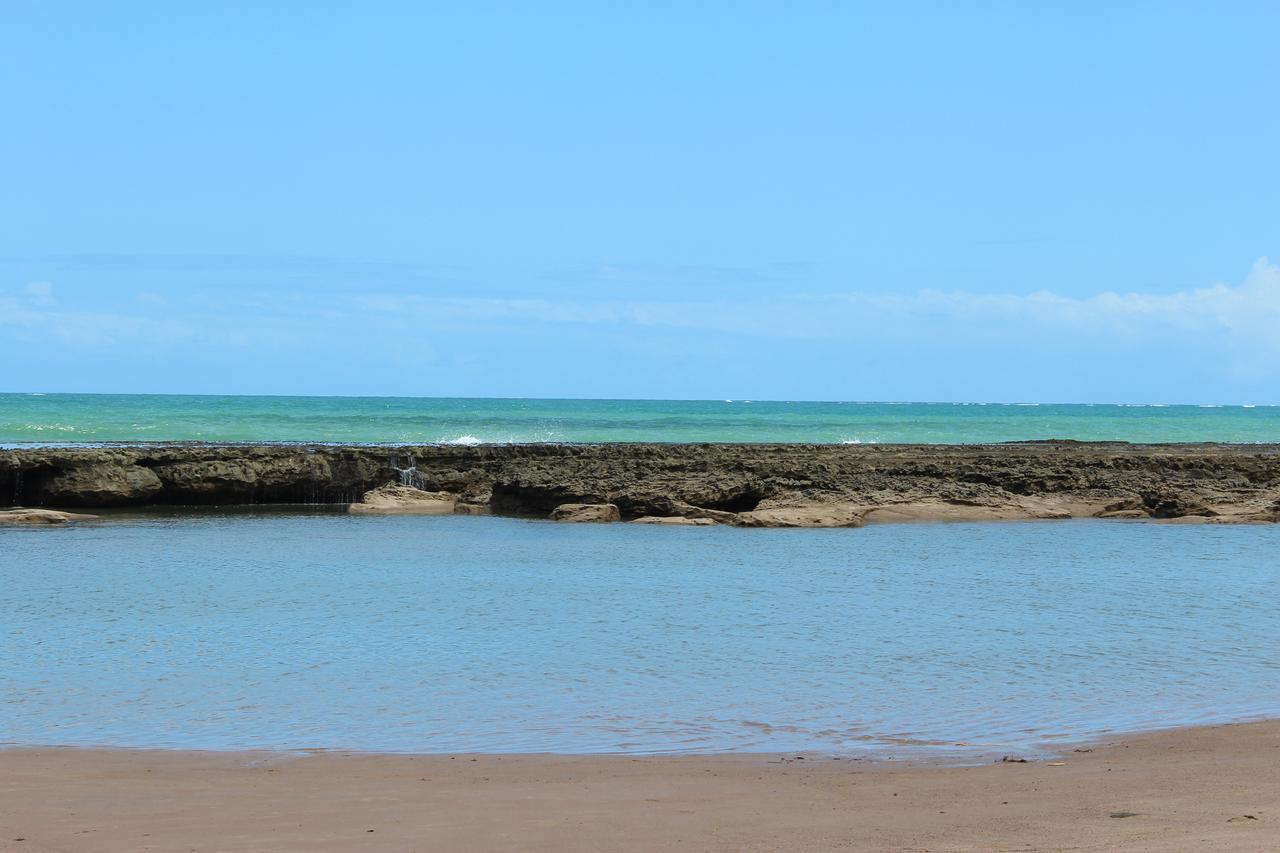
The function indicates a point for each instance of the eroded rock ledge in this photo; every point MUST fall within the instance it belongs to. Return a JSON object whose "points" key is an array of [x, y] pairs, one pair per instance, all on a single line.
{"points": [[751, 485]]}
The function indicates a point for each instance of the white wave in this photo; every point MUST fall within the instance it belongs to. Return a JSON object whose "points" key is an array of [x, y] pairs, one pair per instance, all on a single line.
{"points": [[464, 441], [859, 441], [43, 427]]}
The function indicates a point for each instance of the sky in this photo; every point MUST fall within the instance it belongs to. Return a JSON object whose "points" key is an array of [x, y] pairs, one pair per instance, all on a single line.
{"points": [[1055, 202]]}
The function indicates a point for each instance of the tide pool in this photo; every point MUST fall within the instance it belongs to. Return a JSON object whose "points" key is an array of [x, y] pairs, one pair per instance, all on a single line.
{"points": [[453, 634]]}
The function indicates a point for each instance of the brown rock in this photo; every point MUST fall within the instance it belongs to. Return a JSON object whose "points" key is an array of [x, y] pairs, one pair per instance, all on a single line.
{"points": [[41, 516], [810, 515], [394, 499], [101, 485], [1125, 513], [673, 520], [1223, 482], [717, 516], [586, 513]]}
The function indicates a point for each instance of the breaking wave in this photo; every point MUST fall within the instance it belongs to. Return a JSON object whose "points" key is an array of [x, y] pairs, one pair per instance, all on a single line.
{"points": [[464, 441]]}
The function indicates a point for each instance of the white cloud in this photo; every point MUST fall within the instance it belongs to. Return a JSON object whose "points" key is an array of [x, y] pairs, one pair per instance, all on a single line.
{"points": [[1233, 323], [1250, 310], [39, 293]]}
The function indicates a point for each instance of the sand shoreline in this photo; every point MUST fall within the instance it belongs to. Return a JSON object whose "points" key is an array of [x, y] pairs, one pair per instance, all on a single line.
{"points": [[1184, 789]]}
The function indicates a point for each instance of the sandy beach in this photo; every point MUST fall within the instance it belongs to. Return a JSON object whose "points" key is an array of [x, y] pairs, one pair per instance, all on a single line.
{"points": [[1191, 789]]}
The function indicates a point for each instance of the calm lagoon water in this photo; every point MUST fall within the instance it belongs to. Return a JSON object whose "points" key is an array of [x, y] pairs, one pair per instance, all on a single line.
{"points": [[488, 634], [90, 418]]}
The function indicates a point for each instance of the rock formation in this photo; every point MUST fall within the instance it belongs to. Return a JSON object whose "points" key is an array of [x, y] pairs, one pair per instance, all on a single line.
{"points": [[404, 500], [749, 485], [586, 513], [40, 516]]}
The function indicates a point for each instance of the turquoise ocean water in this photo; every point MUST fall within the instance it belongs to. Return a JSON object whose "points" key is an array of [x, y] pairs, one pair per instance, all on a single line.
{"points": [[92, 418], [462, 633]]}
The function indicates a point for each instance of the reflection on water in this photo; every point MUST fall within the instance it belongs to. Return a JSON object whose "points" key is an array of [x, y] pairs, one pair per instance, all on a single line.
{"points": [[484, 634]]}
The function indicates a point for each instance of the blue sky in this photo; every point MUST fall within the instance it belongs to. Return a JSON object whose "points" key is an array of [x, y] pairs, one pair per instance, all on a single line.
{"points": [[928, 201]]}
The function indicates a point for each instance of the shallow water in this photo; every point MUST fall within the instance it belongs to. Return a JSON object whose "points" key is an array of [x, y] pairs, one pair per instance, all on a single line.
{"points": [[89, 418], [489, 634]]}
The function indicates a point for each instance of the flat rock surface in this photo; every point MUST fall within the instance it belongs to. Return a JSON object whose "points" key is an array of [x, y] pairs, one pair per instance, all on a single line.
{"points": [[748, 484], [404, 500], [586, 513], [41, 516]]}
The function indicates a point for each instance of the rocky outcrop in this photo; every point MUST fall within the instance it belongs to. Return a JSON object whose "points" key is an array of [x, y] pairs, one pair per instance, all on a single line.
{"points": [[40, 517], [404, 500], [673, 520], [757, 485], [103, 484], [834, 514], [592, 513]]}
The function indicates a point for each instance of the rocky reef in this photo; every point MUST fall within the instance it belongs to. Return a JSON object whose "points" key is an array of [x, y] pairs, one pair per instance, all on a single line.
{"points": [[750, 485]]}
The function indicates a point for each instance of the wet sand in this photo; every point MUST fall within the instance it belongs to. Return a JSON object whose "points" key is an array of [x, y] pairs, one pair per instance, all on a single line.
{"points": [[1192, 789]]}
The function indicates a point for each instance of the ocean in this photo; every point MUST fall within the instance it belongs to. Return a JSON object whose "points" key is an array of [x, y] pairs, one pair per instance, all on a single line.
{"points": [[296, 630], [49, 419]]}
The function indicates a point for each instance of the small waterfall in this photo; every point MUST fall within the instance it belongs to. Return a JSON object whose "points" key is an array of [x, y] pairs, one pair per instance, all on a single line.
{"points": [[409, 475]]}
